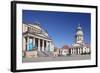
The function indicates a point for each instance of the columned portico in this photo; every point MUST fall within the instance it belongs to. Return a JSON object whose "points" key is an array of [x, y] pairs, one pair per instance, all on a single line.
{"points": [[76, 51], [36, 43]]}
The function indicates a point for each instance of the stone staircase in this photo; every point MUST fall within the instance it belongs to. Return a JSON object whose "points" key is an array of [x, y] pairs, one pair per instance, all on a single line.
{"points": [[45, 54], [48, 53], [40, 54]]}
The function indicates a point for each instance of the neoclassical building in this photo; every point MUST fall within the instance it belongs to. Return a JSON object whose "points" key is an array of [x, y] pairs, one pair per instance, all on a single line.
{"points": [[80, 47], [35, 38]]}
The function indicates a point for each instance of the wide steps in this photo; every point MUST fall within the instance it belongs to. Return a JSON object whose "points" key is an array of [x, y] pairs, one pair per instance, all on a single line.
{"points": [[45, 54]]}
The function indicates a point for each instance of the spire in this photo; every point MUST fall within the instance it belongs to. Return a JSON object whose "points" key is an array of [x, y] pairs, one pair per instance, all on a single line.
{"points": [[79, 27], [79, 30], [37, 23]]}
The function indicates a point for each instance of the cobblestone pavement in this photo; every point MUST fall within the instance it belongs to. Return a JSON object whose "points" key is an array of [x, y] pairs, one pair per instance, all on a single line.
{"points": [[61, 58]]}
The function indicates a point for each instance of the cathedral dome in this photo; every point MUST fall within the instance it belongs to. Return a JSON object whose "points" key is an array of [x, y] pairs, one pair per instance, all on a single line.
{"points": [[76, 45], [37, 25], [38, 29]]}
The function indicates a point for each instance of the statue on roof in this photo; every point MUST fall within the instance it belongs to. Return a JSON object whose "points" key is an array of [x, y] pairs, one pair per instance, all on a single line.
{"points": [[37, 23]]}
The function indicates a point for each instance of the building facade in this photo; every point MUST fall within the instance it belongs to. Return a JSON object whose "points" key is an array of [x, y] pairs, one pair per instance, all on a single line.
{"points": [[36, 39], [65, 50], [79, 47]]}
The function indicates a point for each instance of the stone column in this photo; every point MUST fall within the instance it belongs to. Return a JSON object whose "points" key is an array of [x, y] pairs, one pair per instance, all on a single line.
{"points": [[71, 51], [46, 45], [34, 42], [38, 44], [27, 43], [42, 45], [78, 51], [24, 44], [74, 51], [88, 50], [82, 50], [50, 46]]}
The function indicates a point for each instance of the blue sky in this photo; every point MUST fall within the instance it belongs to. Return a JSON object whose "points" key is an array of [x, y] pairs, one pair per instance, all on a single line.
{"points": [[61, 26]]}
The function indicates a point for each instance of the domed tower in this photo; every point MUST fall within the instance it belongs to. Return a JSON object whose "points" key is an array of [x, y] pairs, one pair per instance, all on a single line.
{"points": [[79, 35]]}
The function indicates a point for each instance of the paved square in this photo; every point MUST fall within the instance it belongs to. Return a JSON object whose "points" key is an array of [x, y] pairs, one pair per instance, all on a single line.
{"points": [[61, 58]]}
